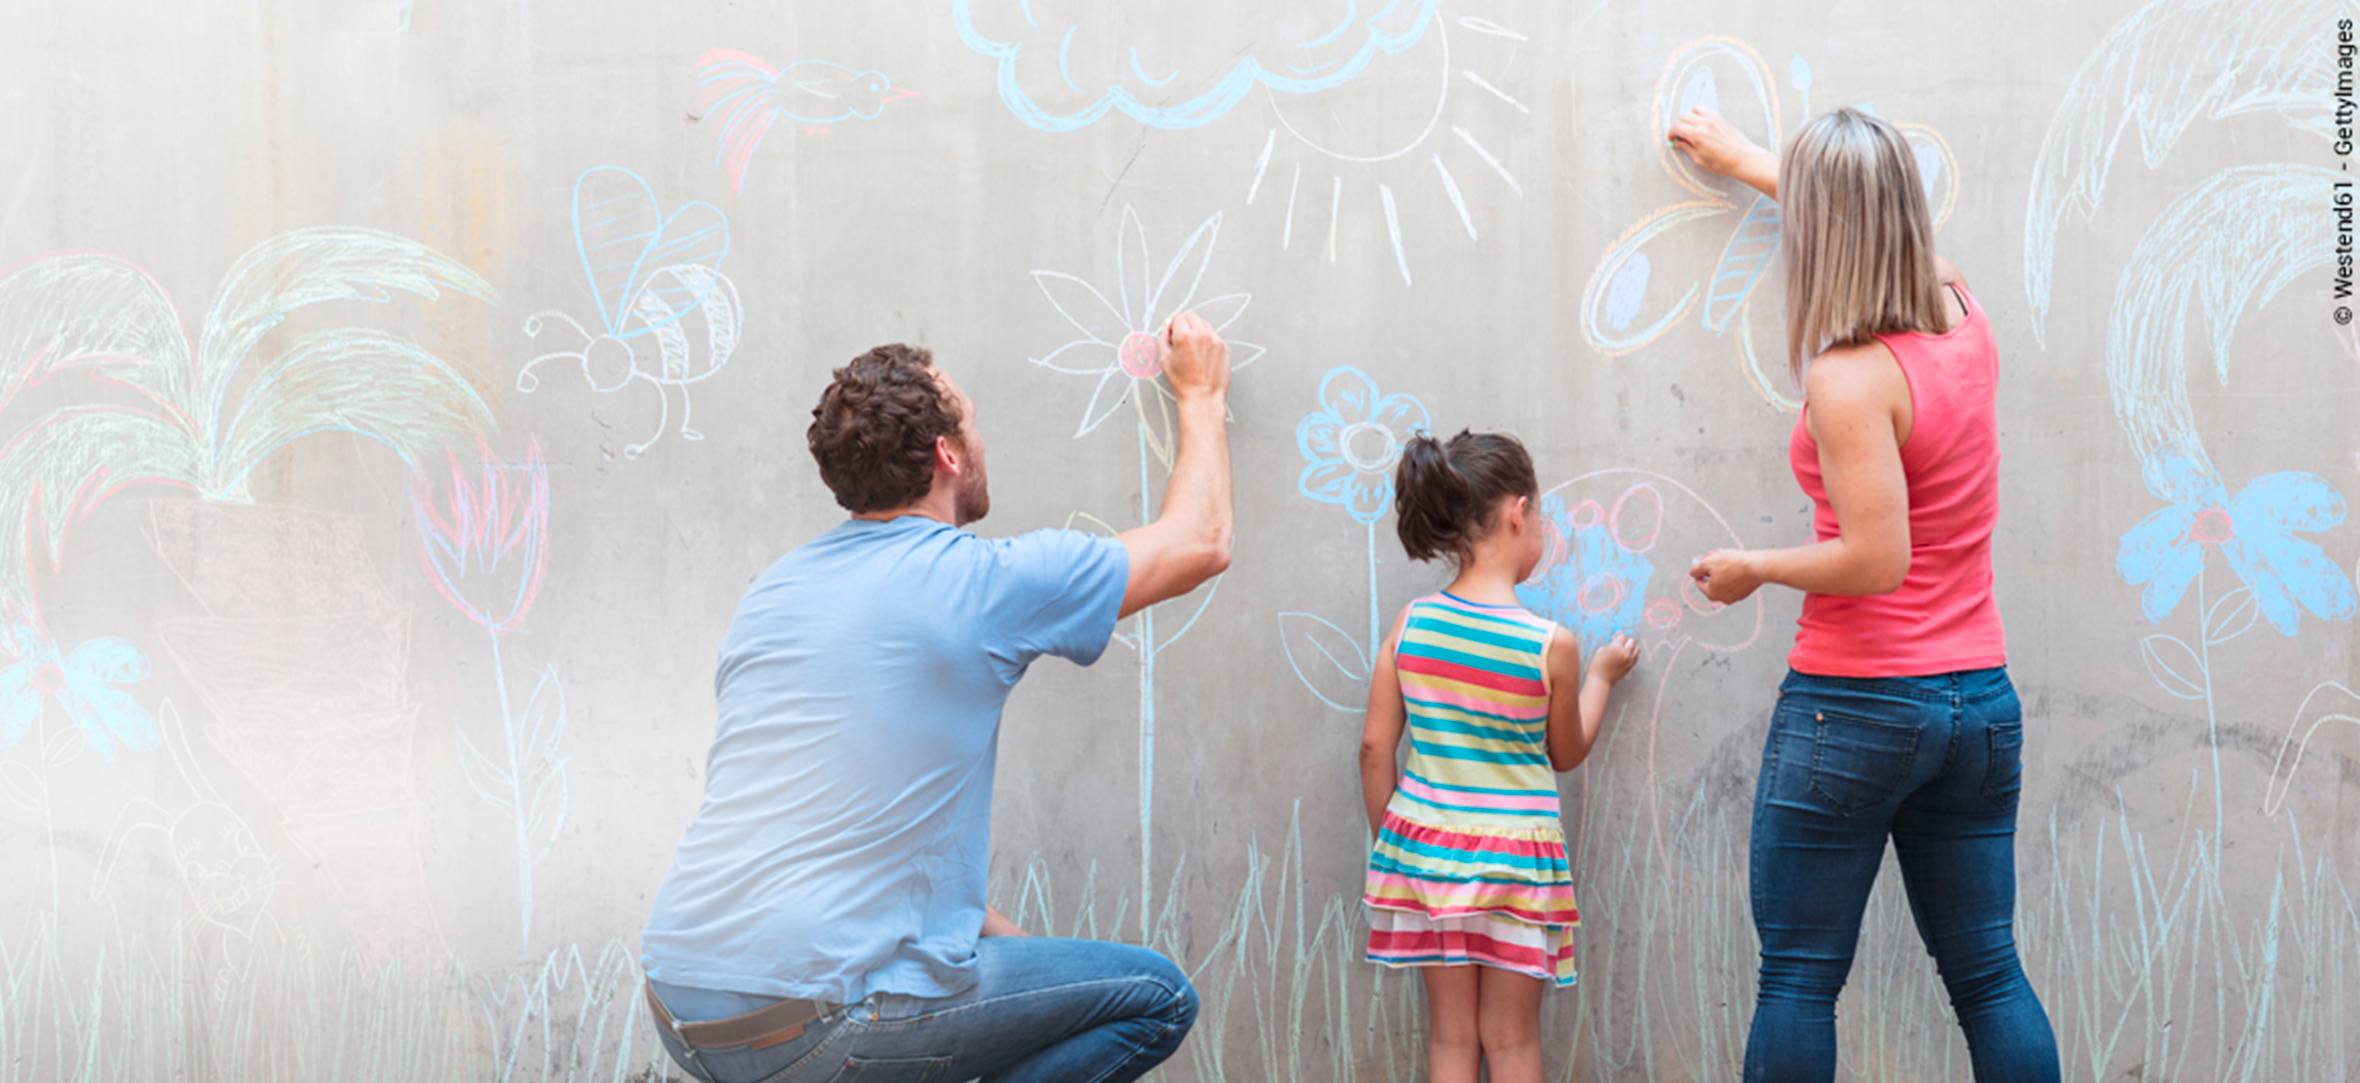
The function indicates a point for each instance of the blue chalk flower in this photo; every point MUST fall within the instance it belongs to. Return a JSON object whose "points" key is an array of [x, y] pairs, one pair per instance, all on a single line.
{"points": [[1350, 444], [83, 682], [2255, 532]]}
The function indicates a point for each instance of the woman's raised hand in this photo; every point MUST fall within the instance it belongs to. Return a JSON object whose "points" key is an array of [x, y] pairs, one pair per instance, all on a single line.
{"points": [[1717, 147]]}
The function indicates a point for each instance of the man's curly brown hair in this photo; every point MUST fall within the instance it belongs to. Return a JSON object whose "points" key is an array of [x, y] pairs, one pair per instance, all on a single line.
{"points": [[873, 431]]}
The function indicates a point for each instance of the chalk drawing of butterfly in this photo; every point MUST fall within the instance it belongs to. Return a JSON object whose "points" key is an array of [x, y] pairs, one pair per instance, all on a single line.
{"points": [[648, 273], [1648, 281]]}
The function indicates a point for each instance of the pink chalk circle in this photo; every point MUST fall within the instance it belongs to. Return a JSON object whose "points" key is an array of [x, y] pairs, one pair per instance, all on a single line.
{"points": [[1552, 550], [1139, 356], [1588, 513], [1635, 525], [1602, 593], [2212, 527], [1664, 614]]}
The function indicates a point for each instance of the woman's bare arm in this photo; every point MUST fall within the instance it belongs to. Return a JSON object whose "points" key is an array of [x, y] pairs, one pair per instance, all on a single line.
{"points": [[1855, 395]]}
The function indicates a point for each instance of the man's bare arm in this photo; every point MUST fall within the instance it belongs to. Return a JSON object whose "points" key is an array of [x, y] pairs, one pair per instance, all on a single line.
{"points": [[1188, 542]]}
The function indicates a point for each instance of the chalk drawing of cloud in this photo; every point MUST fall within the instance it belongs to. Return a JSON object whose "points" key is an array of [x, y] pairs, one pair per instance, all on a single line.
{"points": [[1063, 64]]}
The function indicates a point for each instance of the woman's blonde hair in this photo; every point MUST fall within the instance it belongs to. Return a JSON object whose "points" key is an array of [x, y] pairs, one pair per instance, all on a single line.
{"points": [[1859, 240]]}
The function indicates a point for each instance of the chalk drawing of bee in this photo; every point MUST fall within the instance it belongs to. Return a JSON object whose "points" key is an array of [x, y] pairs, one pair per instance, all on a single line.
{"points": [[648, 272]]}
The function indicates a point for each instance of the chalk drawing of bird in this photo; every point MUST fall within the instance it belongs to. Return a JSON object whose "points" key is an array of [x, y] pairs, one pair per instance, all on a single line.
{"points": [[750, 96]]}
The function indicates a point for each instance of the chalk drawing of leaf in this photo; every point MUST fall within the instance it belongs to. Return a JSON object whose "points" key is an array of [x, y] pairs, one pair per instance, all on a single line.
{"points": [[2231, 615], [306, 267], [1327, 661], [349, 380], [2173, 665], [59, 470]]}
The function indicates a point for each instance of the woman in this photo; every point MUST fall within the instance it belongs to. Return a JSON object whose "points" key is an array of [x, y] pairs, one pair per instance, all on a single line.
{"points": [[1897, 718]]}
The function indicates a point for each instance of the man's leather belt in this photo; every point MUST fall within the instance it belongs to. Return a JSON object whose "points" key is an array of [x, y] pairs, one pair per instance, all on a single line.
{"points": [[758, 1029]]}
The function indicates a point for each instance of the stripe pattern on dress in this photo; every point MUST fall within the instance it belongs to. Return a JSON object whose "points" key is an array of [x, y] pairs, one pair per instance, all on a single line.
{"points": [[1470, 864]]}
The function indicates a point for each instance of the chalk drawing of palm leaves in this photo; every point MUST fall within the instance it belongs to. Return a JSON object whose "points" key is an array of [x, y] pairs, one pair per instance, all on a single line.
{"points": [[1629, 301], [2157, 72], [103, 315]]}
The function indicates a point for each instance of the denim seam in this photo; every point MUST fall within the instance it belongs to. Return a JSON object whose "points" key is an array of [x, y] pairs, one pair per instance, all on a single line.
{"points": [[1006, 997], [1958, 729], [809, 1055], [1991, 740], [1819, 753], [1896, 687], [941, 1065], [1128, 1057]]}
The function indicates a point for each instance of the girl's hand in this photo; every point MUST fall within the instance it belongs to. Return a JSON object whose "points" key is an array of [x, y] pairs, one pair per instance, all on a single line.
{"points": [[1613, 661], [1726, 576]]}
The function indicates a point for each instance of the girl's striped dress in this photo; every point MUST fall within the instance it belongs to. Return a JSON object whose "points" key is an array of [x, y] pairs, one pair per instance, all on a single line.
{"points": [[1470, 864]]}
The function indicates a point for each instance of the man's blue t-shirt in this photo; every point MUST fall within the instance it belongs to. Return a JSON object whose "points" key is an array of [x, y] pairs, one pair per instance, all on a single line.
{"points": [[846, 829]]}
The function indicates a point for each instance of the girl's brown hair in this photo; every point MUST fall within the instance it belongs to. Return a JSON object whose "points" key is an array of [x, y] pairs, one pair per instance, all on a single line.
{"points": [[1446, 495], [1859, 244]]}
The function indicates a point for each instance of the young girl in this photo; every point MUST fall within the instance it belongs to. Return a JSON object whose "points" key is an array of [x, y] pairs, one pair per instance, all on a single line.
{"points": [[1468, 878]]}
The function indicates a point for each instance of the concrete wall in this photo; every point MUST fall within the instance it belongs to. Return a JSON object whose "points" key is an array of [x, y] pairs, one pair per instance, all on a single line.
{"points": [[398, 395]]}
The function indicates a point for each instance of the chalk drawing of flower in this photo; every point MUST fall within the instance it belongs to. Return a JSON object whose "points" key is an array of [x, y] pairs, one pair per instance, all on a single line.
{"points": [[84, 681], [2255, 532], [1351, 442], [482, 544], [1118, 343], [481, 540]]}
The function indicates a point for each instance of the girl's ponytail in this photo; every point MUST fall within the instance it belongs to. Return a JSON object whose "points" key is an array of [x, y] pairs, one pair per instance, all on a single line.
{"points": [[1428, 499], [1444, 494]]}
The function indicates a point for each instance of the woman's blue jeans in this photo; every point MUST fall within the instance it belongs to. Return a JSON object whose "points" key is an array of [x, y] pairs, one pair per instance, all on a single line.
{"points": [[1040, 1009], [1936, 764]]}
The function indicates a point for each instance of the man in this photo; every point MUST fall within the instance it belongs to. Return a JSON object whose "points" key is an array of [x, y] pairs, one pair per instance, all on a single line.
{"points": [[824, 917]]}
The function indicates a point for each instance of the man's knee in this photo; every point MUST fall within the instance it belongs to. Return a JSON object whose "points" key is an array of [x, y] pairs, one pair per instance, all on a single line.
{"points": [[1181, 1015], [1178, 1004]]}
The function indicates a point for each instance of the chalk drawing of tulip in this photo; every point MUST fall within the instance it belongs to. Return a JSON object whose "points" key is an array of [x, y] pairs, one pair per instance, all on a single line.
{"points": [[481, 539]]}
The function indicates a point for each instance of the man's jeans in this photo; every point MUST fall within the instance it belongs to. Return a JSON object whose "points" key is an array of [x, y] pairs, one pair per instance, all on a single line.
{"points": [[1041, 1009], [1937, 764]]}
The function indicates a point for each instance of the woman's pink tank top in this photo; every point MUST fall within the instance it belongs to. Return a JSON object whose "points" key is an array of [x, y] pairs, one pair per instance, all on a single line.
{"points": [[1943, 619]]}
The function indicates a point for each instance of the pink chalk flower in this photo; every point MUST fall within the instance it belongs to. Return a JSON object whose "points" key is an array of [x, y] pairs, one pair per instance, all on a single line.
{"points": [[1118, 343], [481, 537]]}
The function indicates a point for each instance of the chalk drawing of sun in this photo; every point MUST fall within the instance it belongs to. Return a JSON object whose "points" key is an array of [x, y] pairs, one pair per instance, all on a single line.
{"points": [[1426, 125]]}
